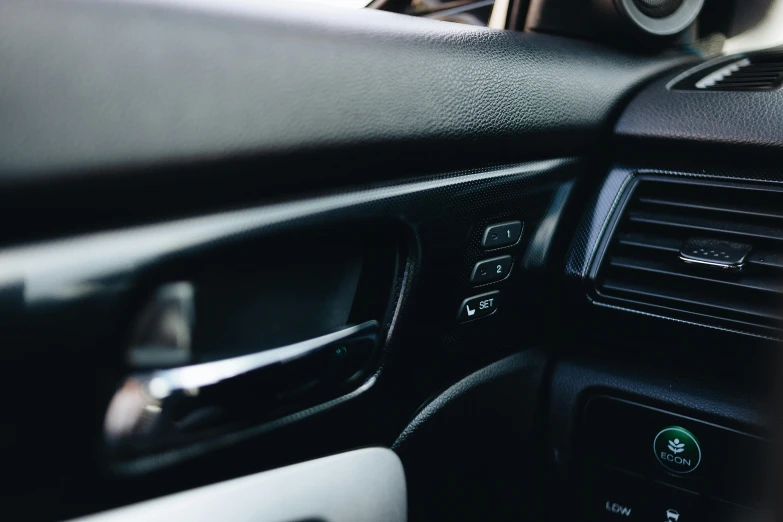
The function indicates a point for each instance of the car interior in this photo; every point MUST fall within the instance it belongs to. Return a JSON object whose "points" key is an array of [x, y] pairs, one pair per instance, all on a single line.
{"points": [[388, 261]]}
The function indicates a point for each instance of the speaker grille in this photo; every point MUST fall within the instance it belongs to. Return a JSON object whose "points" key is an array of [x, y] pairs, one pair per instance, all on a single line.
{"points": [[658, 8]]}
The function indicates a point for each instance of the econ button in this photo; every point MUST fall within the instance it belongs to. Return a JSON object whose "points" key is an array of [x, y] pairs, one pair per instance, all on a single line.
{"points": [[677, 449], [478, 306]]}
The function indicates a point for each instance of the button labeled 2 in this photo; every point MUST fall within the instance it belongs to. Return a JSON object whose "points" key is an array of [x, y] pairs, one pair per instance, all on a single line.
{"points": [[502, 234], [491, 270], [478, 306]]}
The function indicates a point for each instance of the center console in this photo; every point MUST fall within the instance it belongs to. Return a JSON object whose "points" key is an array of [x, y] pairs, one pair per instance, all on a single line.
{"points": [[648, 464], [634, 440]]}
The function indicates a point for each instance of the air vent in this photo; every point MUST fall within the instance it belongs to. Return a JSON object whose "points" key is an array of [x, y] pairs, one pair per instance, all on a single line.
{"points": [[710, 252], [760, 71]]}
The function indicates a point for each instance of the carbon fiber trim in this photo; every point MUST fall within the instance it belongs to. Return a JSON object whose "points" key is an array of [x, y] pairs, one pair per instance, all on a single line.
{"points": [[593, 224]]}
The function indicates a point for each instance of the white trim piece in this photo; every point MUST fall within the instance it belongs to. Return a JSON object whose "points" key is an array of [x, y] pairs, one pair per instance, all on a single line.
{"points": [[358, 486], [497, 20]]}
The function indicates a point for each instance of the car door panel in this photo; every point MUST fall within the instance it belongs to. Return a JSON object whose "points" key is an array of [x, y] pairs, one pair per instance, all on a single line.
{"points": [[302, 171], [184, 82]]}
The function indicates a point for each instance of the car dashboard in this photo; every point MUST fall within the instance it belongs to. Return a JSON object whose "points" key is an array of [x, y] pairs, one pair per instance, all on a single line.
{"points": [[335, 256]]}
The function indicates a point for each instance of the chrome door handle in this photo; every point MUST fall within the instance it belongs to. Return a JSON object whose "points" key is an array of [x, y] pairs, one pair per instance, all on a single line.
{"points": [[159, 408]]}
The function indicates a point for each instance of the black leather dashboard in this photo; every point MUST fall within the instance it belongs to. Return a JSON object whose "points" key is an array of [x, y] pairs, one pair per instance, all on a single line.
{"points": [[170, 82], [660, 117], [133, 116]]}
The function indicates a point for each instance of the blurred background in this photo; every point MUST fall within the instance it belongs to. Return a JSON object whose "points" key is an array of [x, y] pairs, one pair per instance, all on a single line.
{"points": [[486, 13], [727, 25]]}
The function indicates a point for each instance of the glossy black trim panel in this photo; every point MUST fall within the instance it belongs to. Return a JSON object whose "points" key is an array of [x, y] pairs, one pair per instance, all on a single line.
{"points": [[71, 302], [68, 269]]}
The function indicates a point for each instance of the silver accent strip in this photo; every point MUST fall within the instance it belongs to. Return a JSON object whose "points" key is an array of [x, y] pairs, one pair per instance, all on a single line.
{"points": [[206, 374], [139, 409], [357, 486], [155, 461], [713, 264]]}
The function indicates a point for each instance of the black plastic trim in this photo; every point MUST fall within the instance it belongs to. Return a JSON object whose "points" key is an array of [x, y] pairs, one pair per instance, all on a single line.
{"points": [[602, 221]]}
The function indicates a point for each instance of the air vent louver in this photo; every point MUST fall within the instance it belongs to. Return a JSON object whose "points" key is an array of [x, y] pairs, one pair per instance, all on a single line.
{"points": [[642, 262], [761, 71]]}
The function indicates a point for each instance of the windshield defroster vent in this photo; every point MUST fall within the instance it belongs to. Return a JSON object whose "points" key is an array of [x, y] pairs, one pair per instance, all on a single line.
{"points": [[761, 71], [711, 250]]}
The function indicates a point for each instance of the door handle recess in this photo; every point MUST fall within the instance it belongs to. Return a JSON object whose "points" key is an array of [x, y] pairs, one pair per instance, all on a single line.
{"points": [[171, 407]]}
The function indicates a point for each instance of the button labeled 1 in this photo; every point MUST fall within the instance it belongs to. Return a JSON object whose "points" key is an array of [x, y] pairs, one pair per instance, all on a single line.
{"points": [[502, 234], [490, 270], [478, 306]]}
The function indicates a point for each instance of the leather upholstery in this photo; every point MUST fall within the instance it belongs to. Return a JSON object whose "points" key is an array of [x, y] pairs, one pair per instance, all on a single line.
{"points": [[718, 120], [89, 84]]}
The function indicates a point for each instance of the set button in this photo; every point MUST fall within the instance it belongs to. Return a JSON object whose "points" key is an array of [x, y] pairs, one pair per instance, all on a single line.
{"points": [[478, 306]]}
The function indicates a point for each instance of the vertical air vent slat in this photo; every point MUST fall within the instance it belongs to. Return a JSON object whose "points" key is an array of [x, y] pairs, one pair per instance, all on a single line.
{"points": [[646, 261]]}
